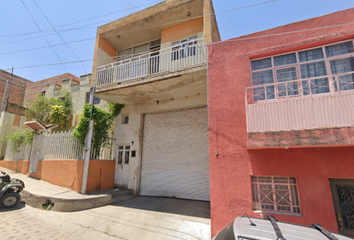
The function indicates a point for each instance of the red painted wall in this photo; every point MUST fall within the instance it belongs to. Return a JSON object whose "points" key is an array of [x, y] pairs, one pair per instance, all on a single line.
{"points": [[231, 163]]}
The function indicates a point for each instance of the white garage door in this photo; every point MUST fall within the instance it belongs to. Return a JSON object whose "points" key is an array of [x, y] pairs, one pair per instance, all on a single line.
{"points": [[175, 157]]}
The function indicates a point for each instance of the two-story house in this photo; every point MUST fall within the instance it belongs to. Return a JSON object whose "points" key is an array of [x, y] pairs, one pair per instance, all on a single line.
{"points": [[155, 62], [281, 137]]}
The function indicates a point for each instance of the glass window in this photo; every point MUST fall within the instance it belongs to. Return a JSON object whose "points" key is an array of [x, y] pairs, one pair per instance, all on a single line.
{"points": [[285, 59], [95, 101], [340, 66], [311, 55], [141, 49], [263, 77], [285, 75], [124, 53], [275, 194], [339, 49], [125, 120], [261, 64], [312, 70]]}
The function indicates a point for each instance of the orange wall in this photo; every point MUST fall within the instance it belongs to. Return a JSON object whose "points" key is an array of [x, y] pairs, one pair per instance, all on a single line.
{"points": [[101, 175], [68, 173], [182, 30], [18, 166], [107, 47]]}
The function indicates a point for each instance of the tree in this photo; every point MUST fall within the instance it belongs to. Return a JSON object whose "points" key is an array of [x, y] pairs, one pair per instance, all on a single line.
{"points": [[51, 110]]}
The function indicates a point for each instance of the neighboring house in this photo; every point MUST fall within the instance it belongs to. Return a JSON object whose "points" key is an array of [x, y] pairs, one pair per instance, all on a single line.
{"points": [[281, 110], [12, 92], [55, 86], [155, 62]]}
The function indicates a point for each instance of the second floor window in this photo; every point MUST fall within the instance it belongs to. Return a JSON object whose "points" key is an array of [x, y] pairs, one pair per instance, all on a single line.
{"points": [[96, 100], [184, 48], [312, 66]]}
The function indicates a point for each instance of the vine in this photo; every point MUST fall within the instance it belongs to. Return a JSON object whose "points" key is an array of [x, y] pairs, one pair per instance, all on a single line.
{"points": [[103, 121]]}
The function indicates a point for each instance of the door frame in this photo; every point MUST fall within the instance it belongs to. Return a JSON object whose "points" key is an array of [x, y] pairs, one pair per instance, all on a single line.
{"points": [[336, 204], [124, 145]]}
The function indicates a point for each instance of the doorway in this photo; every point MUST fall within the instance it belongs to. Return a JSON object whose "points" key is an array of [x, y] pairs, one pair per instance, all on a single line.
{"points": [[343, 199], [122, 165]]}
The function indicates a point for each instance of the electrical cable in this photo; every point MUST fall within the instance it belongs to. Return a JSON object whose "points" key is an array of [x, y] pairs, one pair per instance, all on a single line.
{"points": [[43, 34], [60, 35]]}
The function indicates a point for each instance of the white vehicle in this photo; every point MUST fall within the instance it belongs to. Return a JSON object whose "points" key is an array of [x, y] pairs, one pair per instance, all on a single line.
{"points": [[245, 228]]}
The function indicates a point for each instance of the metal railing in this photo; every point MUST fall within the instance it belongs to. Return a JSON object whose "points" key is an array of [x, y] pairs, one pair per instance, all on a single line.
{"points": [[105, 152], [165, 60], [331, 84], [61, 145]]}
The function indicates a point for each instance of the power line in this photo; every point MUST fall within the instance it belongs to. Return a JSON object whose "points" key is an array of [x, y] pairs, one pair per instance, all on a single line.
{"points": [[87, 19], [43, 34], [226, 42], [60, 35]]}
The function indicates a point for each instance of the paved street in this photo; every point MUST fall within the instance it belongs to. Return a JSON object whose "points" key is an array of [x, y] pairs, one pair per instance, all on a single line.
{"points": [[139, 218]]}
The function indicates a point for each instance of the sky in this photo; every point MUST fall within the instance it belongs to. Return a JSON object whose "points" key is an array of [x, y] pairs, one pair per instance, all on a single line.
{"points": [[36, 50]]}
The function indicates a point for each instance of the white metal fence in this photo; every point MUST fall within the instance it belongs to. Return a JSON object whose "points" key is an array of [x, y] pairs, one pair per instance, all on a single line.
{"points": [[187, 55], [320, 102], [62, 145], [104, 153]]}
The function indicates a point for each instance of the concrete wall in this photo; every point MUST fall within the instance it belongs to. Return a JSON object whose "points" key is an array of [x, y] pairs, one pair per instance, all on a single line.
{"points": [[231, 164], [132, 132], [9, 123]]}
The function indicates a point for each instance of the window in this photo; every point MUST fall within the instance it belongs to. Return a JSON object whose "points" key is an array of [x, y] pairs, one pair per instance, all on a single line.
{"points": [[275, 194], [125, 119], [123, 154], [139, 49], [184, 48], [43, 93], [96, 100], [282, 73], [62, 98]]}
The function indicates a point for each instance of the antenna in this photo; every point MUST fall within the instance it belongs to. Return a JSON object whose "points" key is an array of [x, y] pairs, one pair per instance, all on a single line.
{"points": [[252, 224]]}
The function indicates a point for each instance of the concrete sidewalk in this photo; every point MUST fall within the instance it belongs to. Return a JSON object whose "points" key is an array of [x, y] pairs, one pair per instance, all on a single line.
{"points": [[39, 194]]}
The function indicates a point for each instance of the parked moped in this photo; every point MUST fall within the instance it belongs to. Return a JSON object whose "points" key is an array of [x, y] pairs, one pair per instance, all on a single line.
{"points": [[10, 189]]}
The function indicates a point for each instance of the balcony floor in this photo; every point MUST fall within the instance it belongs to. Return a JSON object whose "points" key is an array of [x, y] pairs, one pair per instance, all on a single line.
{"points": [[179, 84]]}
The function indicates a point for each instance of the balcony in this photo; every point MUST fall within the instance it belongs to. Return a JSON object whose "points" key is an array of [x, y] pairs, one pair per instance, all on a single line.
{"points": [[303, 104], [175, 59]]}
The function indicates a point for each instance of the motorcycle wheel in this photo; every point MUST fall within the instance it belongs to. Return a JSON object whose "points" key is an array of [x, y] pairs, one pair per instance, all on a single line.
{"points": [[10, 200]]}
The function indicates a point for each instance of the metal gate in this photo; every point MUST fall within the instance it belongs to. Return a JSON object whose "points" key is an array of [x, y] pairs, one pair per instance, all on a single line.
{"points": [[343, 199], [36, 153]]}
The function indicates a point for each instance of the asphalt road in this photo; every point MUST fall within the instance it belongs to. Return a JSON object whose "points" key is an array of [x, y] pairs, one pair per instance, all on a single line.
{"points": [[140, 218]]}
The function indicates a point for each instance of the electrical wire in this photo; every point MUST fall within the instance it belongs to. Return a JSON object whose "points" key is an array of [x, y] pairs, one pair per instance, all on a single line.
{"points": [[43, 34], [60, 35]]}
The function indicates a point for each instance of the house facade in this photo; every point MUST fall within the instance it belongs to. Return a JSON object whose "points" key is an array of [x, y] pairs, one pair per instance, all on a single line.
{"points": [[281, 110], [155, 62]]}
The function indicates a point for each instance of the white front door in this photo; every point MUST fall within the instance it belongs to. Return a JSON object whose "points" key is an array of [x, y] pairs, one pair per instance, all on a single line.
{"points": [[122, 165]]}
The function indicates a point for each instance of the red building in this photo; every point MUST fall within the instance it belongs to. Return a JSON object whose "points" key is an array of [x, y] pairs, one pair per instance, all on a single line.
{"points": [[281, 124]]}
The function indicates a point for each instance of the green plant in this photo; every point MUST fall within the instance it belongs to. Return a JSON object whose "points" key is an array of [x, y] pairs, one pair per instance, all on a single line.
{"points": [[16, 139], [52, 110], [103, 121]]}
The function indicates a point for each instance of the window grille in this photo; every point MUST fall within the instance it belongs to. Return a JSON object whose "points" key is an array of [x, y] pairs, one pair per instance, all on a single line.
{"points": [[275, 194], [184, 48]]}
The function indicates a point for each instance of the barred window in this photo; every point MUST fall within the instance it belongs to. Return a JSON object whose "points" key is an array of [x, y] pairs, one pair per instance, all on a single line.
{"points": [[275, 194]]}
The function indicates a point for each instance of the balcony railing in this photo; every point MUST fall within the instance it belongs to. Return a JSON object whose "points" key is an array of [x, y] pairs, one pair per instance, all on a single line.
{"points": [[162, 61], [319, 102]]}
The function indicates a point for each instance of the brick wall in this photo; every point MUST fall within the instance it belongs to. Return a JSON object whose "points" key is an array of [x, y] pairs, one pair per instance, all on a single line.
{"points": [[37, 87], [17, 89]]}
